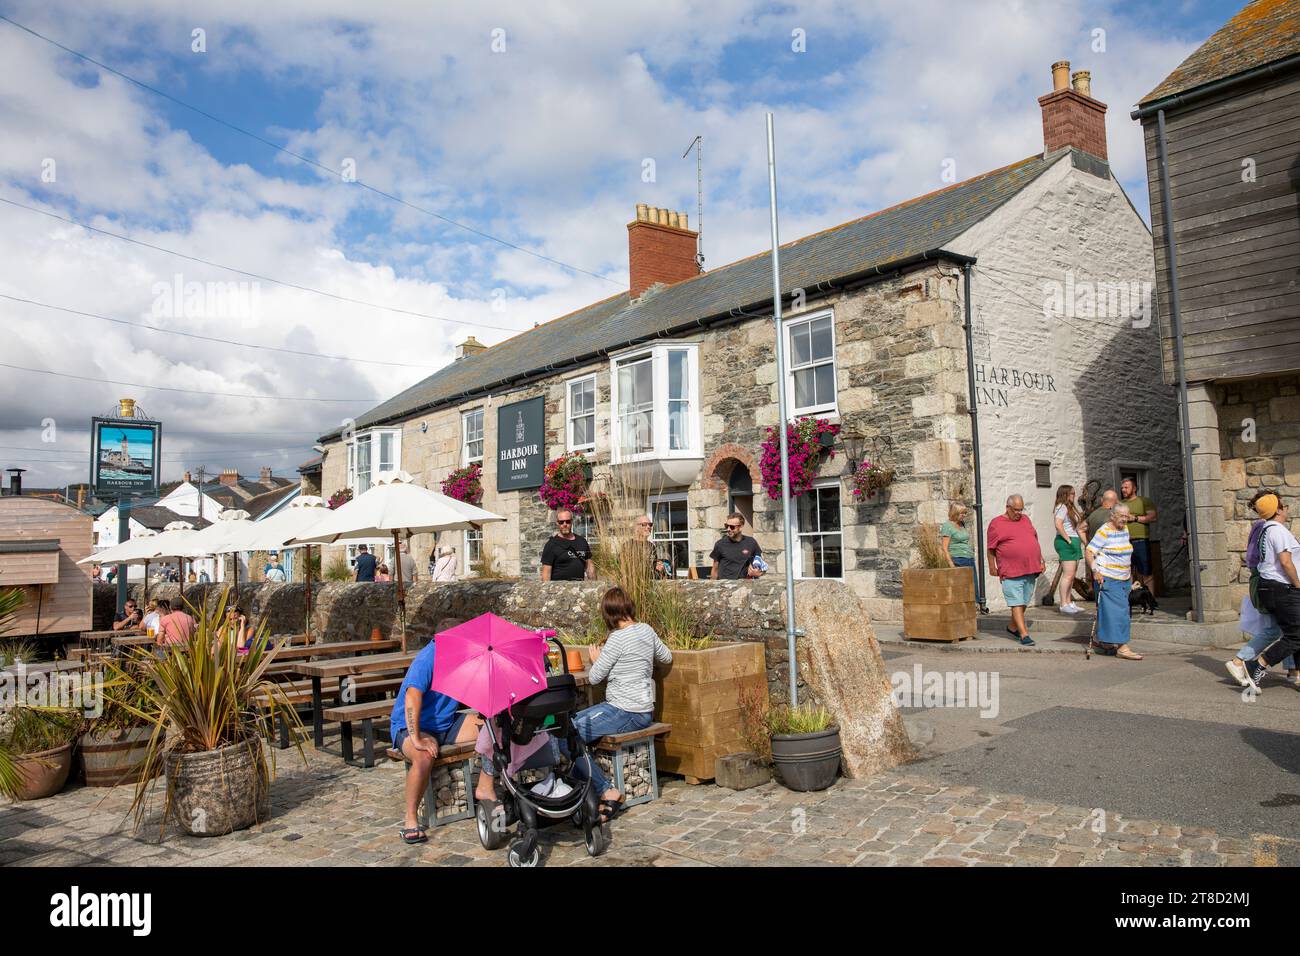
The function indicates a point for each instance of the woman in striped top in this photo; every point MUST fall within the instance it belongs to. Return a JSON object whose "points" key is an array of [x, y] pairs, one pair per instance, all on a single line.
{"points": [[1110, 555]]}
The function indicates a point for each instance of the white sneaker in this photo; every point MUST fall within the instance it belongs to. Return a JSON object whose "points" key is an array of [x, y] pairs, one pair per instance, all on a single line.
{"points": [[552, 787], [1069, 609], [1237, 668]]}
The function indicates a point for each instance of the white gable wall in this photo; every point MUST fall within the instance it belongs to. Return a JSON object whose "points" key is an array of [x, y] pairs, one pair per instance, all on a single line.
{"points": [[1079, 390], [184, 500]]}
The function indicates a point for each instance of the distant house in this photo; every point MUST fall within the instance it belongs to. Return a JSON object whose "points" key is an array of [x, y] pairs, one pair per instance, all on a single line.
{"points": [[1231, 151], [1016, 300]]}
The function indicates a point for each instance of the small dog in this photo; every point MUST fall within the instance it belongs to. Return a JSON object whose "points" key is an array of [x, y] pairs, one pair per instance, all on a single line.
{"points": [[1142, 600]]}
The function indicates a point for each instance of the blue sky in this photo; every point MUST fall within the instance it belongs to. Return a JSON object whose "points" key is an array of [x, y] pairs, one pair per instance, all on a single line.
{"points": [[542, 143]]}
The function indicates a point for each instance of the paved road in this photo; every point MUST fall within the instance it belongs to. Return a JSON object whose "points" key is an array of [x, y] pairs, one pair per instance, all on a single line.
{"points": [[1169, 737]]}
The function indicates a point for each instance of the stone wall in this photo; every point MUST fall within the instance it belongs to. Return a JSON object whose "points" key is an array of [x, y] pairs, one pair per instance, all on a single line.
{"points": [[1259, 447]]}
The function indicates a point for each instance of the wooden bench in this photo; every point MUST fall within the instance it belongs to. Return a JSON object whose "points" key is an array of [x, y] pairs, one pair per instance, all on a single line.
{"points": [[628, 760], [452, 771], [299, 694], [367, 713]]}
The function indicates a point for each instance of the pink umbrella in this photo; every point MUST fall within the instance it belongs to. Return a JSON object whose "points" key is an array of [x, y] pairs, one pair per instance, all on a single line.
{"points": [[489, 664]]}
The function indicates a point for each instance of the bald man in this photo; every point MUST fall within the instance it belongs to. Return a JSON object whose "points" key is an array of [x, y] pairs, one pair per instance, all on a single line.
{"points": [[1016, 558]]}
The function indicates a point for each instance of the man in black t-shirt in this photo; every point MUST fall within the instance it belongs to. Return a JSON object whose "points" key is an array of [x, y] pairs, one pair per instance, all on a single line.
{"points": [[365, 564], [567, 556], [733, 556]]}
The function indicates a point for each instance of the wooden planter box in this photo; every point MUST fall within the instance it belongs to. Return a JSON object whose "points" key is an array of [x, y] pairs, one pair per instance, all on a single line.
{"points": [[700, 697], [939, 604]]}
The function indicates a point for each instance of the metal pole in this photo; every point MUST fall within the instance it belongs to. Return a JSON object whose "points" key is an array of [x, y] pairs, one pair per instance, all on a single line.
{"points": [[1166, 205], [781, 414], [123, 533], [978, 502]]}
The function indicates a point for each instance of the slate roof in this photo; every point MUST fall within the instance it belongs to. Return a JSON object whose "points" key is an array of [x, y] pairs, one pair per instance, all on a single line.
{"points": [[876, 241], [156, 517], [1261, 33]]}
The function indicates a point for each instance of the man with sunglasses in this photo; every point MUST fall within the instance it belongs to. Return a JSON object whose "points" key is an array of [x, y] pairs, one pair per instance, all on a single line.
{"points": [[733, 556], [567, 556], [1016, 558]]}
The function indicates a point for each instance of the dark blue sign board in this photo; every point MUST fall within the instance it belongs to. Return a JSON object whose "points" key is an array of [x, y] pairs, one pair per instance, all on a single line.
{"points": [[521, 445], [125, 457]]}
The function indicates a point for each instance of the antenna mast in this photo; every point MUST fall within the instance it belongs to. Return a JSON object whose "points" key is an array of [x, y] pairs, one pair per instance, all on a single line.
{"points": [[697, 144]]}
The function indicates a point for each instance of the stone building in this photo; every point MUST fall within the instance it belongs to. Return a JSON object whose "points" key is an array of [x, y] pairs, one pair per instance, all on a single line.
{"points": [[1228, 117], [1037, 270]]}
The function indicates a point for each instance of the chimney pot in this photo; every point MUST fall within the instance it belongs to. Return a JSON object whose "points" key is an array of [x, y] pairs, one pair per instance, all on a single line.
{"points": [[642, 212], [15, 481], [1061, 75], [1082, 82], [470, 346], [660, 248], [265, 474]]}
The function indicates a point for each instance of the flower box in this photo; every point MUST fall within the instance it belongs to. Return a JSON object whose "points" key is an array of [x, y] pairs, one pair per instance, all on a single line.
{"points": [[939, 604]]}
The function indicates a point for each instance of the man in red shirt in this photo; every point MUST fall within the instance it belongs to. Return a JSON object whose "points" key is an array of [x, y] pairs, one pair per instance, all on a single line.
{"points": [[1016, 558]]}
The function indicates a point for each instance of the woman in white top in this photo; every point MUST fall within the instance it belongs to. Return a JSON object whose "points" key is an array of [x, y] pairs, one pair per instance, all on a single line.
{"points": [[444, 569], [1069, 549], [1279, 584]]}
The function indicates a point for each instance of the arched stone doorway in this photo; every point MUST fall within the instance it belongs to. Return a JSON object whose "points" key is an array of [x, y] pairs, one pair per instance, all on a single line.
{"points": [[730, 470]]}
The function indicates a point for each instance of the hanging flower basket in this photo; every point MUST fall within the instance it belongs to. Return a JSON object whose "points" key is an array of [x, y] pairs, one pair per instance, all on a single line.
{"points": [[465, 484], [869, 478], [340, 498], [564, 483], [808, 441]]}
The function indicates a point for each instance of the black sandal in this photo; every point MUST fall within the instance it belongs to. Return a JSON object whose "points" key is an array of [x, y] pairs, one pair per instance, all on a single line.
{"points": [[413, 835], [609, 809]]}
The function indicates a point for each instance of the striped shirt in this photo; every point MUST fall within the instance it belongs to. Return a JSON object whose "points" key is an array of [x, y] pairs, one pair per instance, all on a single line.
{"points": [[1114, 552], [627, 660]]}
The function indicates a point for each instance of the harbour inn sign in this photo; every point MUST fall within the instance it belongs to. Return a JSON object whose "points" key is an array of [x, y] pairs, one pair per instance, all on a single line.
{"points": [[674, 380]]}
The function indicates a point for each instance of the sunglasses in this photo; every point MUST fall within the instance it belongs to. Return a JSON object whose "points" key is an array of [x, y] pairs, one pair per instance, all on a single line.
{"points": [[733, 527], [563, 521]]}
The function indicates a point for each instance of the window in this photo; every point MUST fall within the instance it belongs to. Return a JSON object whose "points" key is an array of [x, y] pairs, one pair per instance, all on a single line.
{"points": [[812, 364], [582, 414], [370, 454], [473, 547], [671, 532], [817, 523], [382, 550], [473, 432], [656, 406]]}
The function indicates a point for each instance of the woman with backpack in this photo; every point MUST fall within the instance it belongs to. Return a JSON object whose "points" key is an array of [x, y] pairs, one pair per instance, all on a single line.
{"points": [[1274, 587]]}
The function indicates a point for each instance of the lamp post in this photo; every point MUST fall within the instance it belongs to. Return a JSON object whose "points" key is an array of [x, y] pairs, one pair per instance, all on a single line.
{"points": [[790, 631]]}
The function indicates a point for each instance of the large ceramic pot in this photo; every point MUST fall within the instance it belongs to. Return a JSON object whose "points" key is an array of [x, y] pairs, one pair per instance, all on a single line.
{"points": [[218, 791], [807, 761], [114, 757], [44, 773]]}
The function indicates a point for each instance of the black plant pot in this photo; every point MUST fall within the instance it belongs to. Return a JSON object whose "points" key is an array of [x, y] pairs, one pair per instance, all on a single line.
{"points": [[826, 439], [807, 761], [586, 473]]}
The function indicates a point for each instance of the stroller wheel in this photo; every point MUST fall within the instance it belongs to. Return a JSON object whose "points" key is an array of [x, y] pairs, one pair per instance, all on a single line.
{"points": [[597, 838], [491, 819], [516, 857]]}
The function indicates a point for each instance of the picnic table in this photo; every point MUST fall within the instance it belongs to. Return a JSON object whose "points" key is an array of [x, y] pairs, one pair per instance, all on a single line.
{"points": [[346, 667], [301, 652], [134, 640]]}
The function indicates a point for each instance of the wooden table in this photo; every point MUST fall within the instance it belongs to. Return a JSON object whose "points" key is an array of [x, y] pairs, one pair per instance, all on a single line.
{"points": [[134, 640], [299, 652], [345, 667]]}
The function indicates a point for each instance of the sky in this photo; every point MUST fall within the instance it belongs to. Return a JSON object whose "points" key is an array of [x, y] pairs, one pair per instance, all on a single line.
{"points": [[261, 219]]}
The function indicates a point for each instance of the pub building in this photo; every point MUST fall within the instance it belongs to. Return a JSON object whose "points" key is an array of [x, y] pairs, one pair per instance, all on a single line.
{"points": [[899, 324]]}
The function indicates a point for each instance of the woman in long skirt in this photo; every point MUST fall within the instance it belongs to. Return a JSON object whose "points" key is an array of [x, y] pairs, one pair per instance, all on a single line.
{"points": [[1110, 555]]}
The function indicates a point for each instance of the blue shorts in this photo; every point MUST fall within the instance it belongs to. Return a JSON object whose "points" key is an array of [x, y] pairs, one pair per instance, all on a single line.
{"points": [[441, 736], [1142, 556], [1019, 591]]}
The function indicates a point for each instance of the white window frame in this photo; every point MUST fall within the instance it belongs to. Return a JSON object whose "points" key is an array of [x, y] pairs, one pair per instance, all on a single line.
{"points": [[380, 548], [653, 500], [831, 408], [799, 534], [569, 417], [373, 439], [465, 459], [465, 543], [659, 378]]}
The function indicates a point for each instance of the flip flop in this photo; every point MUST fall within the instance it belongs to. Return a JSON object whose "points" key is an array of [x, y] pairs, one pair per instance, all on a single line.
{"points": [[411, 835], [609, 809], [1129, 656]]}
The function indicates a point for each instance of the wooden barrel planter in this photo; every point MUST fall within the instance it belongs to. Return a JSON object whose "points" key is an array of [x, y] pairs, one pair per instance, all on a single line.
{"points": [[114, 757], [43, 774], [218, 791], [700, 697], [939, 604]]}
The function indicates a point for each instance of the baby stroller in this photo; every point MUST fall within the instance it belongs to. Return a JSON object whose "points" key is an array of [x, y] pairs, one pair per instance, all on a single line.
{"points": [[516, 802]]}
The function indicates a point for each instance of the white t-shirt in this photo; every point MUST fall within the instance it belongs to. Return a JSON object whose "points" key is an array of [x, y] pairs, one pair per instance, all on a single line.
{"points": [[1063, 513], [151, 621], [1277, 538]]}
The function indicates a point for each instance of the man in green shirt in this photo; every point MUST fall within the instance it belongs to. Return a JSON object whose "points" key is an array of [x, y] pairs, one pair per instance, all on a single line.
{"points": [[1144, 515], [1109, 499]]}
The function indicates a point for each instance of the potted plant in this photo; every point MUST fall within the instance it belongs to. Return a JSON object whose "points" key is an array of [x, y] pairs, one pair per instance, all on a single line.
{"points": [[805, 742], [36, 744], [211, 711], [340, 498], [465, 484], [938, 599], [808, 441], [564, 482], [869, 478], [114, 747]]}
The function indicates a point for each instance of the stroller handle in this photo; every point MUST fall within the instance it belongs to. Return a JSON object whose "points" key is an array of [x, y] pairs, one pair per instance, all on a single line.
{"points": [[549, 635]]}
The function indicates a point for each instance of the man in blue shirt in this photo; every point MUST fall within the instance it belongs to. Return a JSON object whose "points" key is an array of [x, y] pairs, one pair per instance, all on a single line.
{"points": [[421, 721], [365, 564]]}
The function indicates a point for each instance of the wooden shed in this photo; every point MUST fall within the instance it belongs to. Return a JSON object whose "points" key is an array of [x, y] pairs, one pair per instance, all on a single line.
{"points": [[41, 542]]}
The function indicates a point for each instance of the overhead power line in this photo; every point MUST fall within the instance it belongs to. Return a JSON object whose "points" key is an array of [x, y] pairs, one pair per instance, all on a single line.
{"points": [[305, 159], [210, 338], [191, 391], [254, 275]]}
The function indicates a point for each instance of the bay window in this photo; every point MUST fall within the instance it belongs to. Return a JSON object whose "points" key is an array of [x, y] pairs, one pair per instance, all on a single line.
{"points": [[370, 454], [811, 345], [656, 403]]}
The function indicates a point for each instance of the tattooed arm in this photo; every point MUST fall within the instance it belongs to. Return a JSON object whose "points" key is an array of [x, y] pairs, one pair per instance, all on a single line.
{"points": [[414, 699]]}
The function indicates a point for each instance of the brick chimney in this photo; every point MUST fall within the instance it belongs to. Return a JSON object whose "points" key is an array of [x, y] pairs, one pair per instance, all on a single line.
{"points": [[660, 248], [470, 346], [229, 476], [265, 476], [1071, 117]]}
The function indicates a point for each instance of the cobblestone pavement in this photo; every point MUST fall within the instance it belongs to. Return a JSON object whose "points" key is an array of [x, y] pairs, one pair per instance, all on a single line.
{"points": [[330, 814]]}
